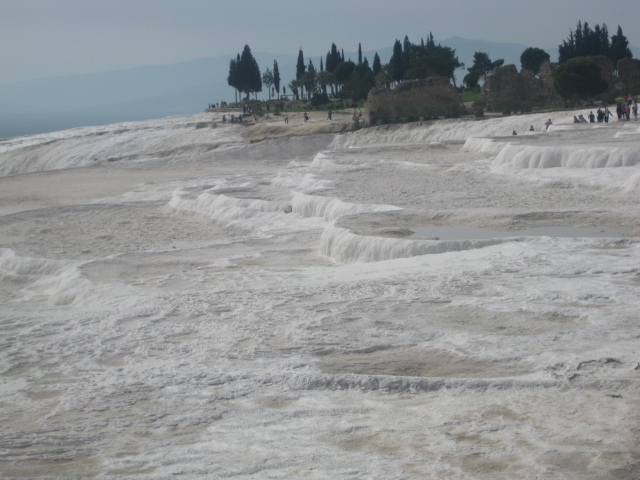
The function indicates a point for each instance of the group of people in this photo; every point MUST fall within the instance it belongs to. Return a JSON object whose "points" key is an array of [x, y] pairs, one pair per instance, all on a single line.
{"points": [[221, 104], [232, 118], [305, 116], [601, 116], [628, 108], [624, 110]]}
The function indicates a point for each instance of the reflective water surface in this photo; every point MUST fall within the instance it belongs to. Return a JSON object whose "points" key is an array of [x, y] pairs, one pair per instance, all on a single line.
{"points": [[469, 233]]}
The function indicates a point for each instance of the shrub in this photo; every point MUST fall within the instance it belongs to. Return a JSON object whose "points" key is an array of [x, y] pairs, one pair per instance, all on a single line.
{"points": [[384, 116], [508, 106], [319, 99], [525, 107], [412, 115], [452, 110]]}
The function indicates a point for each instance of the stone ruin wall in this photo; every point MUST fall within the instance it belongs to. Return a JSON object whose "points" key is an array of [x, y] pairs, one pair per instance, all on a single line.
{"points": [[507, 84], [629, 76], [419, 98]]}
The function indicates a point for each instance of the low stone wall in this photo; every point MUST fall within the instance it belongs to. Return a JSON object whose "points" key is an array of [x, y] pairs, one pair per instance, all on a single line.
{"points": [[420, 98]]}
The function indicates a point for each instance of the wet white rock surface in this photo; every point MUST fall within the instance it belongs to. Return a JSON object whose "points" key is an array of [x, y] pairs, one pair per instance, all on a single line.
{"points": [[177, 302]]}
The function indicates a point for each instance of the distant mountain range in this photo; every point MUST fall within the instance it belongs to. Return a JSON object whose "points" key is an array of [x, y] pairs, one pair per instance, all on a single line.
{"points": [[141, 93]]}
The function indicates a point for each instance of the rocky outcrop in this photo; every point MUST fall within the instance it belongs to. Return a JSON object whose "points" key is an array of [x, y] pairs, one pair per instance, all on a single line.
{"points": [[427, 98]]}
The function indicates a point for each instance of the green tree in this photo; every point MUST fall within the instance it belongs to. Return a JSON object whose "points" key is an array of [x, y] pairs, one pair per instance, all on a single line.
{"points": [[333, 58], [406, 56], [233, 79], [359, 53], [249, 73], [377, 66], [483, 65], [384, 78], [585, 42], [430, 41], [310, 79], [319, 99], [432, 60], [599, 41], [397, 67], [244, 73], [343, 72], [276, 77], [300, 68], [533, 58], [446, 62], [293, 86], [579, 78], [360, 82], [619, 47], [471, 80], [267, 79], [325, 78], [300, 73]]}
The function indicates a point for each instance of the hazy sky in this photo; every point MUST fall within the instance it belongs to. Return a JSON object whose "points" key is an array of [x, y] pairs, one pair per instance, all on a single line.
{"points": [[41, 38]]}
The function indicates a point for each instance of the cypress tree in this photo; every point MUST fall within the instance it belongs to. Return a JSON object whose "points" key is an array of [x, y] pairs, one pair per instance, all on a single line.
{"points": [[232, 78], [360, 81], [333, 59], [300, 68], [397, 70], [406, 54], [359, 53], [276, 77], [310, 78], [585, 42], [430, 42], [377, 66], [619, 47], [249, 76]]}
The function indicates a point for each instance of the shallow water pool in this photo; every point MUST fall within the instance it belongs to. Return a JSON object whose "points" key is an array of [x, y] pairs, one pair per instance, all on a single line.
{"points": [[469, 233]]}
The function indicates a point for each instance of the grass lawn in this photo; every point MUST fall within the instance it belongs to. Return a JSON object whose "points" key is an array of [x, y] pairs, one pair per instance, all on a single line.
{"points": [[470, 96]]}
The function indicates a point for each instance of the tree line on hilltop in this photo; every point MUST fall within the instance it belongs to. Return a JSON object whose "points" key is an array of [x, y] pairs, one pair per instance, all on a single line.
{"points": [[346, 79]]}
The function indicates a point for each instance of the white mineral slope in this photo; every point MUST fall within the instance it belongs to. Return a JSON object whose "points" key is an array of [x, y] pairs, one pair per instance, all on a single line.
{"points": [[179, 302]]}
